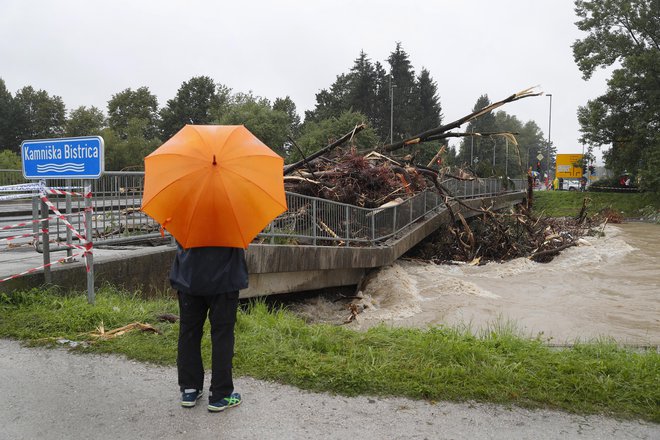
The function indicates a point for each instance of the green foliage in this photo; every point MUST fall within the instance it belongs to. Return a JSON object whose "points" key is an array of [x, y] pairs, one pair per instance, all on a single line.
{"points": [[38, 115], [196, 102], [129, 106], [9, 138], [85, 121], [368, 89], [269, 125], [10, 160], [497, 365], [317, 135], [624, 33]]}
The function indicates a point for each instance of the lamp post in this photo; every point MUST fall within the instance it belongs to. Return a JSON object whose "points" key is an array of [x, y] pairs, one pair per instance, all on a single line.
{"points": [[549, 130], [392, 86]]}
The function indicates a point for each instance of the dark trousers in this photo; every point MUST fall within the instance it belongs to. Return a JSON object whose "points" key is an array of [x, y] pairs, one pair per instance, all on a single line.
{"points": [[221, 311]]}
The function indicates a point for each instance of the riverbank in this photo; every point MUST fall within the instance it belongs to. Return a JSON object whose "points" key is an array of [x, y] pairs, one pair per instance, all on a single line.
{"points": [[450, 364], [569, 203]]}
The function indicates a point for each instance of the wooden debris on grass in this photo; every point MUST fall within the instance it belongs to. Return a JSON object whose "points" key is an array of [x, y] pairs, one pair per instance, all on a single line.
{"points": [[102, 334]]}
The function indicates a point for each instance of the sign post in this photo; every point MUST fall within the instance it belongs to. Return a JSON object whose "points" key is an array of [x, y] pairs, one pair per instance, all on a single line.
{"points": [[68, 158]]}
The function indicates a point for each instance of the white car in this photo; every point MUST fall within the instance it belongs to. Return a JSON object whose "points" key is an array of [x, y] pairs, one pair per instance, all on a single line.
{"points": [[571, 185]]}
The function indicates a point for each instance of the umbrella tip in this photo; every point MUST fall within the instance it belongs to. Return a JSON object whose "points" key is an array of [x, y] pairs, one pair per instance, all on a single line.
{"points": [[214, 162]]}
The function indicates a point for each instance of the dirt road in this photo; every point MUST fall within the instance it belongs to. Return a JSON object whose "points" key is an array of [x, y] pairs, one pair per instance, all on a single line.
{"points": [[54, 394]]}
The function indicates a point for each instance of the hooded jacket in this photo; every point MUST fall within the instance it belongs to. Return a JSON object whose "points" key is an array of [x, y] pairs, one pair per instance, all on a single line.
{"points": [[209, 270]]}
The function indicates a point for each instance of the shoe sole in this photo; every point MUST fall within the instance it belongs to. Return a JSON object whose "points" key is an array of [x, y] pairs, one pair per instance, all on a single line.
{"points": [[212, 408]]}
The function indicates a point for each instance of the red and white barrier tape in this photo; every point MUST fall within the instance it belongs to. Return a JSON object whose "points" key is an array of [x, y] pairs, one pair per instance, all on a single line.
{"points": [[30, 234], [61, 260], [31, 222]]}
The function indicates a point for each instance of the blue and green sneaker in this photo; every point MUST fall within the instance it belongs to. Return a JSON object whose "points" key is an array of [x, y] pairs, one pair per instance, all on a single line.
{"points": [[227, 402], [189, 397]]}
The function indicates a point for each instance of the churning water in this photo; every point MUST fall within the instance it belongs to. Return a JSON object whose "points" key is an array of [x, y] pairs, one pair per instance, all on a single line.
{"points": [[606, 287]]}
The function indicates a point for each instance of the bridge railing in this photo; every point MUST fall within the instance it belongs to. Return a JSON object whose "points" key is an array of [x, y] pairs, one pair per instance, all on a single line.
{"points": [[117, 218]]}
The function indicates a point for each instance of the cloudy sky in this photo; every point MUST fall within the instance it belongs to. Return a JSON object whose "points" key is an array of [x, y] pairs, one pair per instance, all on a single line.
{"points": [[85, 51]]}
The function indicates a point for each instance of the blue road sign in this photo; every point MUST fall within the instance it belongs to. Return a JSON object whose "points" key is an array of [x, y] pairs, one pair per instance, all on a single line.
{"points": [[65, 158]]}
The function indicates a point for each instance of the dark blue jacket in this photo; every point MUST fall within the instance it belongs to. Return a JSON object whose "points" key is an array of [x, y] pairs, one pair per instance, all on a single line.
{"points": [[209, 270]]}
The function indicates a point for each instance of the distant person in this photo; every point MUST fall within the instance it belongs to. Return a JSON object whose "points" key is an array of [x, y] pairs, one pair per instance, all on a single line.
{"points": [[583, 183], [207, 280], [561, 183], [555, 184]]}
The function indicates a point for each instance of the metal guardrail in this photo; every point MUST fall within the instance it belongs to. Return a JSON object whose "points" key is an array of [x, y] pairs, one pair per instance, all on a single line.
{"points": [[117, 197]]}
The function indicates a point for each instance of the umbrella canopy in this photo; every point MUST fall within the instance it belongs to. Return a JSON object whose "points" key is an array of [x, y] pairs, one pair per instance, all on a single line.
{"points": [[213, 185]]}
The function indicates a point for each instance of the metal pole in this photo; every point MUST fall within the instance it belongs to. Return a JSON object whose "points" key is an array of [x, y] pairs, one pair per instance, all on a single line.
{"points": [[392, 86], [89, 258], [45, 238], [472, 149], [506, 159], [69, 250], [549, 131]]}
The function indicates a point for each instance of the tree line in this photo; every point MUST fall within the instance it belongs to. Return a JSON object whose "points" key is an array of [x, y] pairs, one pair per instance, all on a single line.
{"points": [[394, 101]]}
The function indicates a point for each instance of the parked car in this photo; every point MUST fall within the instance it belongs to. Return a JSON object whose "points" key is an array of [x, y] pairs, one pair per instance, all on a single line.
{"points": [[571, 185]]}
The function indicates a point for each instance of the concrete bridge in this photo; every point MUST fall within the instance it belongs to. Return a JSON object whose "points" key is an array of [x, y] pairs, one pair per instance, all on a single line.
{"points": [[274, 268]]}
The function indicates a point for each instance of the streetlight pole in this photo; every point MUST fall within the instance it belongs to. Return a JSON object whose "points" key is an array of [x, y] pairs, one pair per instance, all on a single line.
{"points": [[549, 130], [392, 86]]}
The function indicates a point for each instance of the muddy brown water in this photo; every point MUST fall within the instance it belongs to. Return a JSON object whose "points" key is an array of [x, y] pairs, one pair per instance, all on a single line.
{"points": [[608, 287]]}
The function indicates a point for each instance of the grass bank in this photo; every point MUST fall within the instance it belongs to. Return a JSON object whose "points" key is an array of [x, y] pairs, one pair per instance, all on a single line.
{"points": [[569, 203], [434, 364]]}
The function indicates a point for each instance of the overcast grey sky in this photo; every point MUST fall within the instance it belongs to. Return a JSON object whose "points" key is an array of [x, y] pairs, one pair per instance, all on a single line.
{"points": [[85, 51]]}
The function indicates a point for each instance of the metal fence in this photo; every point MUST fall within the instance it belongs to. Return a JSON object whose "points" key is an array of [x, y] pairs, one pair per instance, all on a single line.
{"points": [[117, 218]]}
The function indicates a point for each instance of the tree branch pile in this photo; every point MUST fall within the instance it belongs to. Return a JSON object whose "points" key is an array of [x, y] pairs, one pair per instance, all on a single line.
{"points": [[503, 236]]}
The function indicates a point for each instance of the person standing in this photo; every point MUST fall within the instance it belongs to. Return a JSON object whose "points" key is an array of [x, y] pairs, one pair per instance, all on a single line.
{"points": [[207, 280], [555, 183]]}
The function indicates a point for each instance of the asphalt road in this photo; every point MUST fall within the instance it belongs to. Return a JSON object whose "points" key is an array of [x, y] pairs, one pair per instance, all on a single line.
{"points": [[54, 394]]}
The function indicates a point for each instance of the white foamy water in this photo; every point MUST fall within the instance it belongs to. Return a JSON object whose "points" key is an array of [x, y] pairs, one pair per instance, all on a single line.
{"points": [[606, 287]]}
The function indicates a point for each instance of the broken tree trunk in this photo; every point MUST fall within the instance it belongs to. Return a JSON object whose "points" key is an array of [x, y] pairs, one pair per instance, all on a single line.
{"points": [[424, 136], [294, 166]]}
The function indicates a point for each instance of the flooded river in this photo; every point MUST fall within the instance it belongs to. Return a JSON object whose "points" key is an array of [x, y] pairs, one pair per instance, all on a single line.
{"points": [[606, 287]]}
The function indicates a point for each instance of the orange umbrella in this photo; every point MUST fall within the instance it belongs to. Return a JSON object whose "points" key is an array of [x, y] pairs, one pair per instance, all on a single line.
{"points": [[213, 185]]}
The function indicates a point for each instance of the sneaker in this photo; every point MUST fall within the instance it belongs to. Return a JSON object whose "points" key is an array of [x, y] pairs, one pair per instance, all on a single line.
{"points": [[189, 397], [227, 402]]}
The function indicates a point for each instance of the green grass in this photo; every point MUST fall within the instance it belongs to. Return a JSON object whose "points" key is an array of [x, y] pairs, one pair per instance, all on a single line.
{"points": [[569, 203], [435, 364]]}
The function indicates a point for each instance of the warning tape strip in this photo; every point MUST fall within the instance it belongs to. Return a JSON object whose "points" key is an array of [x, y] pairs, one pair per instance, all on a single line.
{"points": [[30, 234], [22, 187], [62, 217], [30, 222], [18, 196], [61, 260], [84, 243]]}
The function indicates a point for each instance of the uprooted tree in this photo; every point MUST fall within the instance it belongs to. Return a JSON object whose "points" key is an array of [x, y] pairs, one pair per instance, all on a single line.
{"points": [[376, 178]]}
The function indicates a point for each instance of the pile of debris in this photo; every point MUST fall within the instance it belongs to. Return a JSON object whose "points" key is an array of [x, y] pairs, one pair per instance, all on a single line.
{"points": [[368, 181]]}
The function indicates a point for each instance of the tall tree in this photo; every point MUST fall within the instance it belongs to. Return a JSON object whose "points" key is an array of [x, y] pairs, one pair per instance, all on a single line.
{"points": [[258, 116], [128, 105], [9, 139], [39, 115], [479, 149], [196, 102], [403, 82], [426, 104], [85, 121], [287, 106], [624, 33]]}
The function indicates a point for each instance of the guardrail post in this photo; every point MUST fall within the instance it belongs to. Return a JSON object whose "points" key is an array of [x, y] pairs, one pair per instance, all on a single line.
{"points": [[314, 221], [89, 258], [348, 225], [394, 219], [45, 238], [373, 227], [69, 251]]}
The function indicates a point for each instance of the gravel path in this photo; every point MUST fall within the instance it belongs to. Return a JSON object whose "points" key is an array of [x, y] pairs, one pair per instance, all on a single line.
{"points": [[54, 394]]}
